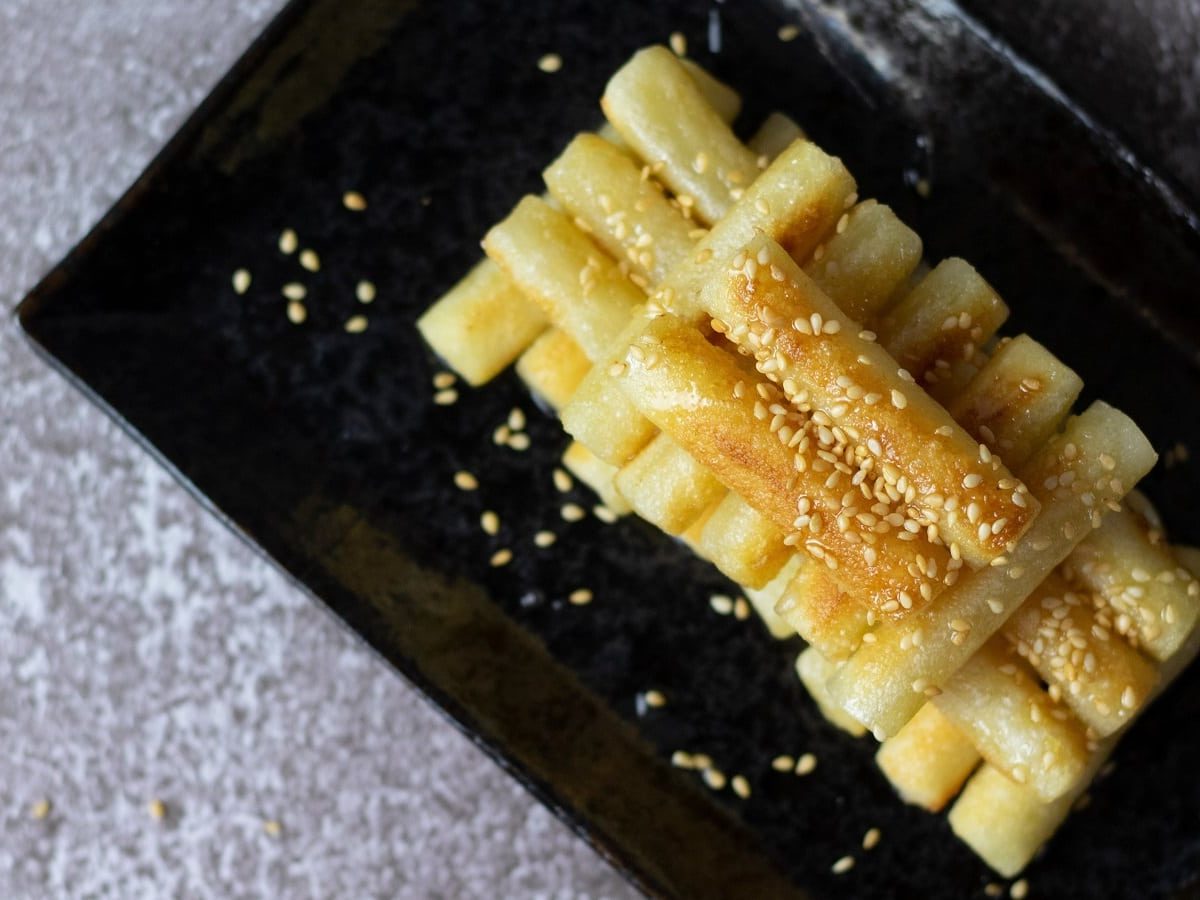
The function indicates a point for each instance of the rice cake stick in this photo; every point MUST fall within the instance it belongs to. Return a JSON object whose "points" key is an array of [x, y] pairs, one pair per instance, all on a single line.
{"points": [[875, 685], [596, 474], [928, 760], [553, 367], [776, 133], [743, 544], [666, 486], [764, 599], [815, 672]]}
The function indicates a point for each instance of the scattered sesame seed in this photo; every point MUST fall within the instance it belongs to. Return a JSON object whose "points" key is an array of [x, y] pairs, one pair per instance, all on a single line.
{"points": [[721, 604], [562, 481], [740, 786], [871, 838], [516, 419], [444, 380], [783, 763], [993, 889], [788, 33], [573, 512], [550, 63], [364, 291], [679, 43], [465, 481], [581, 597], [288, 242], [272, 828], [923, 187], [1019, 890], [489, 522], [40, 809], [443, 398], [309, 260], [501, 558], [545, 538], [653, 698], [604, 514], [241, 281], [297, 312], [294, 290], [519, 442], [357, 325], [741, 609], [682, 759], [714, 778], [843, 865], [157, 809], [806, 763], [354, 201]]}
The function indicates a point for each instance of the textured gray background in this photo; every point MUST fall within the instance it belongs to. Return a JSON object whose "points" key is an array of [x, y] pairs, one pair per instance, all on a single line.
{"points": [[146, 652]]}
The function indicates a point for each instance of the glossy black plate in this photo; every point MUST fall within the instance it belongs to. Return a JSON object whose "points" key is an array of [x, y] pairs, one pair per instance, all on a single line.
{"points": [[325, 449]]}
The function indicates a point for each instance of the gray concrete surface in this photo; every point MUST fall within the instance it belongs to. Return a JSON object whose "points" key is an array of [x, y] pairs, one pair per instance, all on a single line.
{"points": [[146, 653]]}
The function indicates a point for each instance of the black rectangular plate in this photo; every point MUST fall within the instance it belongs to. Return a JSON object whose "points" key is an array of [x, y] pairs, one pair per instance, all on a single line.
{"points": [[325, 449]]}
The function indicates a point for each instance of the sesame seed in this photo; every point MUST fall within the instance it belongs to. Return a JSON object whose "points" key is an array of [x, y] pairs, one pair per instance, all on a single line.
{"points": [[288, 242], [899, 400], [40, 809], [1019, 890], [272, 828], [740, 786], [714, 778], [445, 398], [364, 291], [354, 201], [653, 699], [682, 759], [721, 604], [156, 809], [806, 763], [444, 380], [309, 260], [871, 838], [545, 538], [550, 63], [604, 514], [993, 889], [741, 609], [1128, 697], [297, 312], [783, 763], [516, 419], [843, 865], [241, 281], [356, 325], [973, 480], [294, 290], [489, 522], [702, 760], [519, 442], [562, 481], [923, 187], [501, 557], [572, 512], [678, 43], [788, 33], [465, 481]]}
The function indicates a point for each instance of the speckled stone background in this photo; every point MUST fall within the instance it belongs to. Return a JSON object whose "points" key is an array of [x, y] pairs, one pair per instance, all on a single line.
{"points": [[147, 652]]}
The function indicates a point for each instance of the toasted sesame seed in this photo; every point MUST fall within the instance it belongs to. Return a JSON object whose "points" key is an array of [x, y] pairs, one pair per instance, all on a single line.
{"points": [[356, 325], [993, 889], [973, 480], [519, 442], [309, 260], [562, 481], [272, 828], [516, 419], [702, 760], [364, 291], [550, 63], [681, 759], [740, 786], [721, 604], [741, 609], [489, 522], [714, 778], [871, 838], [899, 400], [465, 481], [843, 865], [288, 242], [653, 698], [788, 33], [443, 380], [446, 398], [354, 201], [40, 809], [157, 809], [1019, 890], [604, 514], [545, 538], [297, 312], [294, 290], [783, 763], [241, 281], [678, 43], [572, 512], [501, 557], [806, 763]]}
